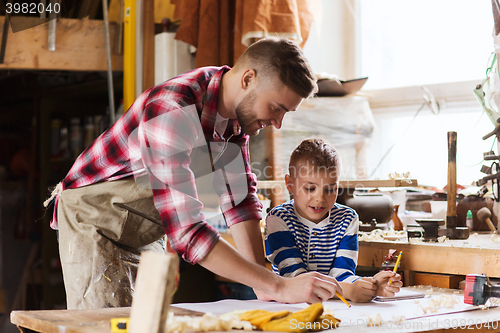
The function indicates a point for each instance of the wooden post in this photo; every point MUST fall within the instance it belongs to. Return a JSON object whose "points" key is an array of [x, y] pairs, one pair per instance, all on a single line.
{"points": [[154, 287], [129, 54], [148, 58], [451, 213]]}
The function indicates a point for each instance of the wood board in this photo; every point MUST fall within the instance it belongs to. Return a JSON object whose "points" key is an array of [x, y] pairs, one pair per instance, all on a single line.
{"points": [[476, 255], [80, 46], [77, 321]]}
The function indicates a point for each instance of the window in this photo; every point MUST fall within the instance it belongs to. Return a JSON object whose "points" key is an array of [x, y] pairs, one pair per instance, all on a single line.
{"points": [[406, 43], [419, 144], [437, 45]]}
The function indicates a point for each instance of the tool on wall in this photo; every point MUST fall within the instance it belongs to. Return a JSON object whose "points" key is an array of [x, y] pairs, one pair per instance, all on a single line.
{"points": [[484, 215], [111, 94], [4, 38], [51, 39], [478, 289], [452, 231]]}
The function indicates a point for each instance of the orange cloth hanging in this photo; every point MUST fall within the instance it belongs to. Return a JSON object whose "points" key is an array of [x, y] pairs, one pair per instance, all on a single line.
{"points": [[223, 29]]}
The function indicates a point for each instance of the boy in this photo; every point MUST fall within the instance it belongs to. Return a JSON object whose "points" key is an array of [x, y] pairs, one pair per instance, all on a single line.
{"points": [[314, 233]]}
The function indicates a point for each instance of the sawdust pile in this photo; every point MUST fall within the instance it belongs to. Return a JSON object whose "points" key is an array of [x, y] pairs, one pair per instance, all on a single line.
{"points": [[381, 235], [205, 323], [442, 301]]}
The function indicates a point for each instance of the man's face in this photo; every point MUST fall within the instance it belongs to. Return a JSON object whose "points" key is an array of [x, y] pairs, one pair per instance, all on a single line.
{"points": [[314, 191], [265, 107]]}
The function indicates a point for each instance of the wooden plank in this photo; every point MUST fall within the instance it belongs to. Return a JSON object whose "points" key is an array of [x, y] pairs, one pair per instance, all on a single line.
{"points": [[445, 258], [77, 321], [81, 46], [156, 282], [74, 321], [437, 280]]}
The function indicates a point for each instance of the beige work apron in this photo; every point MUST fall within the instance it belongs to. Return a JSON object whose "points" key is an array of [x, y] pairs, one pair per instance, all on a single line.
{"points": [[103, 228]]}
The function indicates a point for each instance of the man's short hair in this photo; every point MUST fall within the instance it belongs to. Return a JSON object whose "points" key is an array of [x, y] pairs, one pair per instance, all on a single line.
{"points": [[317, 153], [281, 56]]}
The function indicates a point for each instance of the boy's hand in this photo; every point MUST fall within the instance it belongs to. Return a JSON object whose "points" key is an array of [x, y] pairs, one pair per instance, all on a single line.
{"points": [[384, 288], [360, 291]]}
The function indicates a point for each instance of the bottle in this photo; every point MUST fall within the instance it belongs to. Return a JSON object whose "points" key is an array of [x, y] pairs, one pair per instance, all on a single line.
{"points": [[469, 222], [76, 137]]}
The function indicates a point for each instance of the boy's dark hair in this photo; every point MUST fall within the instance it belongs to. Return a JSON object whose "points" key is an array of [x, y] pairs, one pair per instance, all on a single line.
{"points": [[282, 57], [316, 152]]}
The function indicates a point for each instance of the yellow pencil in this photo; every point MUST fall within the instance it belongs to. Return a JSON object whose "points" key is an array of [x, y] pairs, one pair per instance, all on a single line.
{"points": [[397, 264], [342, 299]]}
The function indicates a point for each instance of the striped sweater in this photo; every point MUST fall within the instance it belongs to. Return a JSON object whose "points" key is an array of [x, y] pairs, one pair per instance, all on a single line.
{"points": [[295, 245]]}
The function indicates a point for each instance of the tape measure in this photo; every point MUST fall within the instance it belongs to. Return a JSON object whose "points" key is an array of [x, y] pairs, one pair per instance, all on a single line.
{"points": [[119, 325]]}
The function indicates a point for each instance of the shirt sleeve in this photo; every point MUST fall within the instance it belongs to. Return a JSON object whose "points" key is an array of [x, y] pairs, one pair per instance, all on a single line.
{"points": [[281, 251], [166, 141], [346, 258]]}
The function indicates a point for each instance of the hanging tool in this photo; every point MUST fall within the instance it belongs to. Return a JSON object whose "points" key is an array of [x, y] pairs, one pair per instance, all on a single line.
{"points": [[110, 69], [484, 215], [4, 37], [51, 39], [119, 36], [478, 289], [452, 231]]}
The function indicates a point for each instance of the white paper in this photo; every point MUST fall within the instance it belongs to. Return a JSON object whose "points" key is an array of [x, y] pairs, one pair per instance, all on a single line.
{"points": [[358, 315]]}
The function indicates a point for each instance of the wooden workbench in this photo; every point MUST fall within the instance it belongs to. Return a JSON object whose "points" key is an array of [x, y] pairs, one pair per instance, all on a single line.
{"points": [[354, 319], [477, 255], [76, 321]]}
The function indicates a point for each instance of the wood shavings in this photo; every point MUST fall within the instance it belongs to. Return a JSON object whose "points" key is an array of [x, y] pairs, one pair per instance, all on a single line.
{"points": [[493, 301], [398, 319], [442, 301], [380, 235], [495, 238], [442, 239], [375, 320], [405, 176], [328, 311], [205, 323]]}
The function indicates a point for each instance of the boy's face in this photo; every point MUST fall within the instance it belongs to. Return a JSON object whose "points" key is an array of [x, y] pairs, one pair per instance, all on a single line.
{"points": [[314, 191]]}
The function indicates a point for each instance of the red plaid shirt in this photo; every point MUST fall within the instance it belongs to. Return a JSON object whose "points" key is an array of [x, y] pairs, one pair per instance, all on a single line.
{"points": [[158, 136]]}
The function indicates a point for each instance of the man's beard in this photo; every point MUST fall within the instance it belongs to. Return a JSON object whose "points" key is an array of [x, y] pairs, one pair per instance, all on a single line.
{"points": [[244, 114]]}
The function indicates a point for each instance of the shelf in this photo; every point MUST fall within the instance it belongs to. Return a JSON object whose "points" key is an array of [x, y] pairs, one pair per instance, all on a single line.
{"points": [[279, 184]]}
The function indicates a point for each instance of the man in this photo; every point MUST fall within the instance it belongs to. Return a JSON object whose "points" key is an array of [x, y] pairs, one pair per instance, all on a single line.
{"points": [[137, 181]]}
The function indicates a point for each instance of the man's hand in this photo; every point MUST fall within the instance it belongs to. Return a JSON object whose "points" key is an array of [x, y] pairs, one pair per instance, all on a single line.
{"points": [[312, 287], [360, 291], [384, 288]]}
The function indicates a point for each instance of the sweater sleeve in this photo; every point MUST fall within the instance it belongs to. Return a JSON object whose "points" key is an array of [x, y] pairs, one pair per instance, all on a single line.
{"points": [[346, 259], [281, 251]]}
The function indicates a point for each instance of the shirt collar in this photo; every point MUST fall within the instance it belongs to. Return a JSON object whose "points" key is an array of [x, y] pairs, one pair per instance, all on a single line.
{"points": [[210, 107]]}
